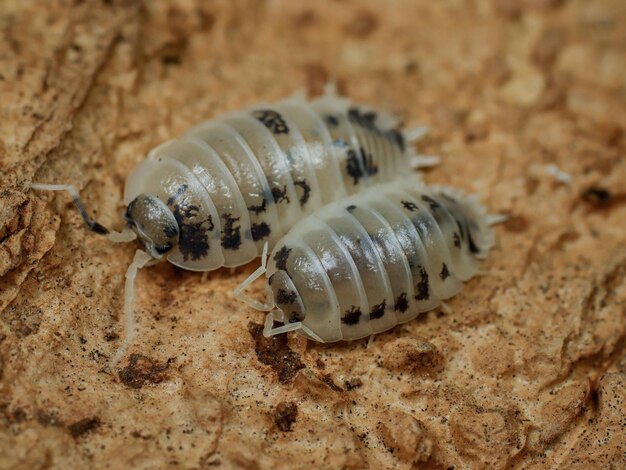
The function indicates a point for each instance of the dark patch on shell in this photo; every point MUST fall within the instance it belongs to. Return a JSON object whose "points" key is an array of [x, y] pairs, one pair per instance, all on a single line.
{"points": [[306, 191], [259, 208], [285, 415], [284, 296], [457, 240], [231, 239], [260, 231], [445, 274], [402, 303], [280, 195], [194, 239], [275, 352], [410, 206], [350, 208], [272, 120], [142, 369], [352, 316], [378, 310], [397, 138], [331, 120], [434, 205], [422, 286], [472, 245], [359, 165], [281, 257], [366, 120]]}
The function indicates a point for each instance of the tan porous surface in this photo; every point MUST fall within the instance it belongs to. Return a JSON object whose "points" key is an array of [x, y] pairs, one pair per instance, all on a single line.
{"points": [[527, 371]]}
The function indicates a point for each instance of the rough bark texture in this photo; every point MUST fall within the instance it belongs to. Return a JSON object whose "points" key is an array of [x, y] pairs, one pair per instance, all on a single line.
{"points": [[529, 368]]}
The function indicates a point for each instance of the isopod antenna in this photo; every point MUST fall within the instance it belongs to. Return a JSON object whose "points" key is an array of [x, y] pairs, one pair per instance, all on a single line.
{"points": [[126, 235]]}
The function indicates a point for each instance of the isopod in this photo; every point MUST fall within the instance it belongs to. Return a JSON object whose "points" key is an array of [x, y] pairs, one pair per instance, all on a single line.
{"points": [[230, 186], [364, 264]]}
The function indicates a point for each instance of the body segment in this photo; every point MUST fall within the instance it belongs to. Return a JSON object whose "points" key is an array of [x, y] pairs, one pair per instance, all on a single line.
{"points": [[362, 265], [239, 181]]}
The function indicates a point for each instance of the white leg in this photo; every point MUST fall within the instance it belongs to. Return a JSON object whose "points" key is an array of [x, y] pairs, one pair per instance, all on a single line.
{"points": [[139, 261], [415, 134], [239, 294], [493, 219], [424, 161], [310, 334], [370, 341]]}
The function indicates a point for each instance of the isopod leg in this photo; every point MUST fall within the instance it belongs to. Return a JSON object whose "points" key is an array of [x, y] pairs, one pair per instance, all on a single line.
{"points": [[424, 161], [139, 261], [238, 293], [416, 133]]}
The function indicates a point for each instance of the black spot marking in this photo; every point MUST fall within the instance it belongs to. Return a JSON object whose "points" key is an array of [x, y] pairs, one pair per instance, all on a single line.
{"points": [[457, 240], [284, 296], [397, 138], [231, 239], [350, 208], [359, 165], [280, 194], [472, 245], [306, 191], [179, 192], [445, 274], [259, 208], [422, 286], [378, 310], [402, 303], [352, 316], [260, 231], [434, 205], [331, 120], [194, 240], [272, 120], [281, 257], [460, 226], [366, 120], [409, 205]]}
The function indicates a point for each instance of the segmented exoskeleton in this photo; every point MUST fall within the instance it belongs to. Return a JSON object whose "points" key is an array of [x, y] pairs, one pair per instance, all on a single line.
{"points": [[230, 186], [362, 265]]}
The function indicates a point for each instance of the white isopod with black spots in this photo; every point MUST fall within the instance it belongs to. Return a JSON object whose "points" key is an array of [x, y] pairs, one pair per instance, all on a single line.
{"points": [[364, 264], [230, 186]]}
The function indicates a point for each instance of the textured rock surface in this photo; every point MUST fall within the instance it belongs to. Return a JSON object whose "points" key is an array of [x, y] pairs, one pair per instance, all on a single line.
{"points": [[527, 371]]}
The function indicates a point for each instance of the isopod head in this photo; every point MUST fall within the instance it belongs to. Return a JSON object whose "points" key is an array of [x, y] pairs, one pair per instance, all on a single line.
{"points": [[154, 223]]}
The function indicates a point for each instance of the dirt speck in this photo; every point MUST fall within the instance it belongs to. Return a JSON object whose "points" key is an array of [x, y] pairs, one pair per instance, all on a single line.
{"points": [[275, 352], [84, 426], [142, 369], [285, 415]]}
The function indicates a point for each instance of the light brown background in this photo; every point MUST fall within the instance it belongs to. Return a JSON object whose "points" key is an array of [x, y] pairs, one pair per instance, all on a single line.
{"points": [[529, 368]]}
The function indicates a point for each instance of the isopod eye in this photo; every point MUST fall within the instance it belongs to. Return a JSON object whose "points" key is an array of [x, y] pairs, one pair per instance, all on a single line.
{"points": [[154, 224]]}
